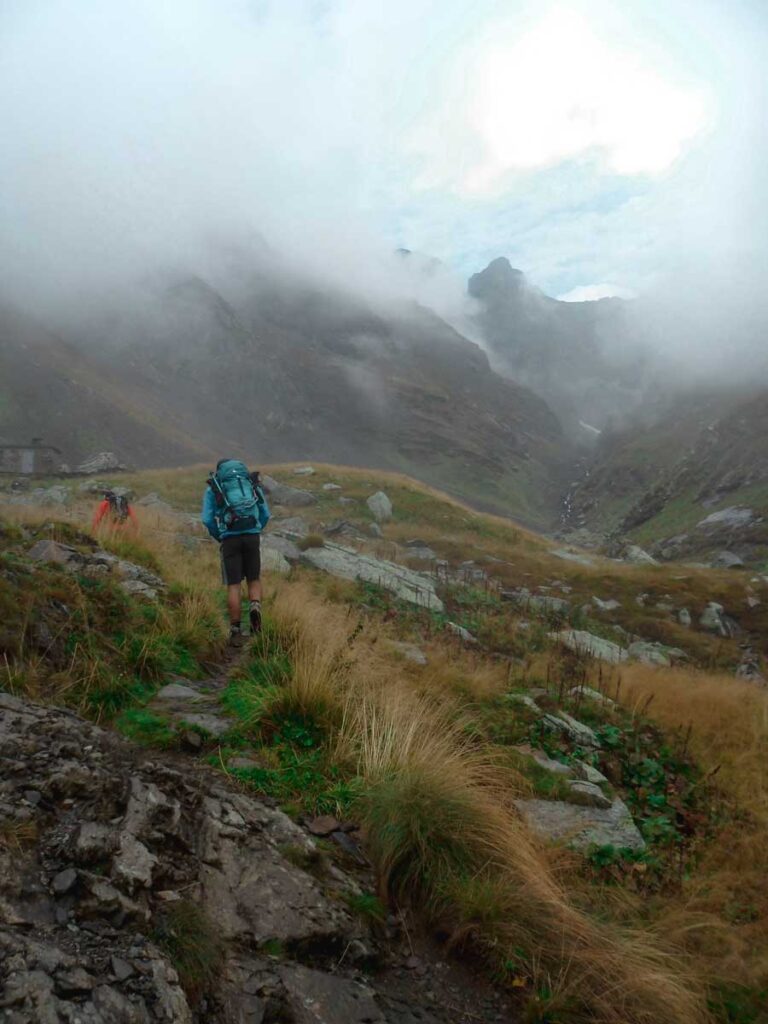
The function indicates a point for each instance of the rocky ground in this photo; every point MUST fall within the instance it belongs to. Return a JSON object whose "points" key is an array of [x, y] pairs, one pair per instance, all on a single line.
{"points": [[137, 888]]}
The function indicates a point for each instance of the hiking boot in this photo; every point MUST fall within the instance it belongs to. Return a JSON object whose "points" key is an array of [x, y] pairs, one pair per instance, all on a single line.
{"points": [[235, 636], [255, 617]]}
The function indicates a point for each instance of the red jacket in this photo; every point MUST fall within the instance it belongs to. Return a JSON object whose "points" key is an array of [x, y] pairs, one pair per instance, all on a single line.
{"points": [[104, 508]]}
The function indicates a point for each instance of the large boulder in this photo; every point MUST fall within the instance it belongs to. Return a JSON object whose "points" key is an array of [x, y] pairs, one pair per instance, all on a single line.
{"points": [[405, 584], [103, 462], [634, 554], [281, 545], [53, 552], [273, 561], [730, 518], [727, 560], [380, 506], [282, 494], [714, 620], [655, 654], [582, 826]]}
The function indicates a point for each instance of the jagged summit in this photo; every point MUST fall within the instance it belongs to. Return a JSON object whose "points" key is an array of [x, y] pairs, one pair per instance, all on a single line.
{"points": [[498, 280]]}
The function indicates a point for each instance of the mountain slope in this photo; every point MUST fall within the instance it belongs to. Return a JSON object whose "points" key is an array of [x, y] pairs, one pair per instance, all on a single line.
{"points": [[285, 371], [706, 453], [579, 356]]}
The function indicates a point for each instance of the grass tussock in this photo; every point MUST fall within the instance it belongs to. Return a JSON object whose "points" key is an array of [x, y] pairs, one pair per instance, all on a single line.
{"points": [[193, 945]]}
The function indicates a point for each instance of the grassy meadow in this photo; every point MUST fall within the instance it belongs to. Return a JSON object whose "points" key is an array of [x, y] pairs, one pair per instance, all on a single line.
{"points": [[334, 718]]}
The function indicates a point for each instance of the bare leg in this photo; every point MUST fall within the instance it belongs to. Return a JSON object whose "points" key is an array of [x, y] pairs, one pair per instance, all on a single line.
{"points": [[254, 596], [233, 603]]}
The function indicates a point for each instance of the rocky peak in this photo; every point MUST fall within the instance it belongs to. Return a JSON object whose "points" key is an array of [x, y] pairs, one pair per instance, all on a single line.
{"points": [[499, 280]]}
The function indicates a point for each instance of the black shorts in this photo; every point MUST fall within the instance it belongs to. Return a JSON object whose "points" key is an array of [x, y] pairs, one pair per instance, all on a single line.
{"points": [[240, 558]]}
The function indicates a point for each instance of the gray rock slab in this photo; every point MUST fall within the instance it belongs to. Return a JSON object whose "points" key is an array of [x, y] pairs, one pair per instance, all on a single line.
{"points": [[275, 562], [406, 584], [582, 827], [733, 517], [136, 588], [212, 724], [727, 560], [103, 462], [463, 634], [591, 694], [317, 998], [581, 641], [637, 556], [290, 527], [606, 606], [133, 864], [282, 545], [712, 619], [588, 794], [282, 494], [572, 556], [578, 731], [590, 773], [51, 551], [177, 691], [541, 759]]}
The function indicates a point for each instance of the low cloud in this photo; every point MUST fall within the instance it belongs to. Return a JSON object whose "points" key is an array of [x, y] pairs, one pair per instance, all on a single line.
{"points": [[595, 292], [147, 141]]}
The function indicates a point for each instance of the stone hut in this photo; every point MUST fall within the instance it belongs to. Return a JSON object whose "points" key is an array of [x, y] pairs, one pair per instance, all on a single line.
{"points": [[29, 459]]}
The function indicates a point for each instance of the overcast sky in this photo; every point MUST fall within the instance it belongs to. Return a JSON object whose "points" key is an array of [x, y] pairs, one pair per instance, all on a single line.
{"points": [[605, 147]]}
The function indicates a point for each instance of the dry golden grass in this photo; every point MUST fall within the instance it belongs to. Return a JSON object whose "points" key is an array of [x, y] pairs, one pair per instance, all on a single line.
{"points": [[728, 721], [441, 828], [15, 835], [722, 913]]}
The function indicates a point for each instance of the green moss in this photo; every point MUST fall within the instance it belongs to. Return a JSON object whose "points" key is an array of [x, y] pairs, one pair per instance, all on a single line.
{"points": [[146, 727]]}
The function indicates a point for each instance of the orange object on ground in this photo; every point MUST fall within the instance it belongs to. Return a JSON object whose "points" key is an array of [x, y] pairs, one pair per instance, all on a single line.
{"points": [[105, 508]]}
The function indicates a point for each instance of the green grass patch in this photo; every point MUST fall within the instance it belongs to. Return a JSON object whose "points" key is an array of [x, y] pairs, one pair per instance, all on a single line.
{"points": [[193, 944], [368, 906], [80, 640], [147, 728]]}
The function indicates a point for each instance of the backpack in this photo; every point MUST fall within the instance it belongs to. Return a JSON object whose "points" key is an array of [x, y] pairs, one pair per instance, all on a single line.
{"points": [[237, 496], [118, 507]]}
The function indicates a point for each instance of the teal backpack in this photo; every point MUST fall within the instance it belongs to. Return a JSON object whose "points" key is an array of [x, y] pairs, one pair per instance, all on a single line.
{"points": [[237, 495]]}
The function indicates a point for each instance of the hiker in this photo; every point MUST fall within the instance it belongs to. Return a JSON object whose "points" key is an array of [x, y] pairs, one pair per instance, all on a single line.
{"points": [[235, 512], [117, 510]]}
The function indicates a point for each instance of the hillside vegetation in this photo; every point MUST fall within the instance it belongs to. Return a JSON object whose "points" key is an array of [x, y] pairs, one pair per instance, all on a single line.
{"points": [[429, 728], [660, 483]]}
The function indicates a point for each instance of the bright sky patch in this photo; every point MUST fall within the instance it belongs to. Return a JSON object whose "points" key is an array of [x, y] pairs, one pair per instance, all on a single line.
{"points": [[560, 92]]}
